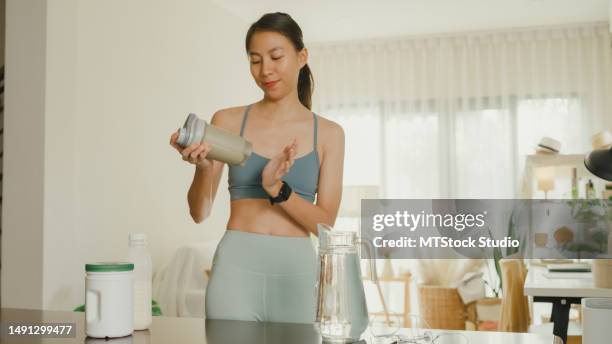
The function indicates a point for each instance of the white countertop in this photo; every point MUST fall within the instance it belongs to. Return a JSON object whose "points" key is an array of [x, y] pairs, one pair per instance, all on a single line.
{"points": [[540, 282], [482, 337], [201, 331]]}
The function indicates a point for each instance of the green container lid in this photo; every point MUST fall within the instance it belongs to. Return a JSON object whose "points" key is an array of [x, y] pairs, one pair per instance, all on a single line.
{"points": [[109, 267]]}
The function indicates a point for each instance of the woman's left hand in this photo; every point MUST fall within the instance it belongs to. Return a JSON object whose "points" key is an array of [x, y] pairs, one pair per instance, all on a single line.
{"points": [[276, 168]]}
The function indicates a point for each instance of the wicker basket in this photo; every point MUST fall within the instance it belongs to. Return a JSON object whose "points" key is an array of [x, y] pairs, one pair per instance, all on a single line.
{"points": [[441, 307]]}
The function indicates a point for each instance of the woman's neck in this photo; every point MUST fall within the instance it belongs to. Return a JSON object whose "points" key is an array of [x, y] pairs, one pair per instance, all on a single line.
{"points": [[286, 108]]}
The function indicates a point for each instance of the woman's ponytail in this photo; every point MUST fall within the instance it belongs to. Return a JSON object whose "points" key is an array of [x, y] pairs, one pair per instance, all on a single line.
{"points": [[305, 86]]}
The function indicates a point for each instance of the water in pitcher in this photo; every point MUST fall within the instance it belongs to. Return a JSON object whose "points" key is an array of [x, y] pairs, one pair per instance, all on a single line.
{"points": [[342, 314]]}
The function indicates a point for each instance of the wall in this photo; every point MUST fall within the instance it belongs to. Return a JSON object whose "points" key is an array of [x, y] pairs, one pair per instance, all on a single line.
{"points": [[23, 164], [2, 35], [119, 77], [2, 29]]}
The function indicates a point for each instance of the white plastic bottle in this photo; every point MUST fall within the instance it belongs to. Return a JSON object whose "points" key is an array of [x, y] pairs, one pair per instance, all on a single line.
{"points": [[139, 255]]}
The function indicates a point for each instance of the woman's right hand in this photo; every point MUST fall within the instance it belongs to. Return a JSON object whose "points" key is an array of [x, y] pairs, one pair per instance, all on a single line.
{"points": [[194, 154]]}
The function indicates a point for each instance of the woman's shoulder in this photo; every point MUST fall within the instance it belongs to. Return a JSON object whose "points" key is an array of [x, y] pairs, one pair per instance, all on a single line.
{"points": [[329, 131], [229, 118]]}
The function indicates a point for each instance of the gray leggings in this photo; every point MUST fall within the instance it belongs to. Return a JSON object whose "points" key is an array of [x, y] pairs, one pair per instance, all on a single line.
{"points": [[259, 277]]}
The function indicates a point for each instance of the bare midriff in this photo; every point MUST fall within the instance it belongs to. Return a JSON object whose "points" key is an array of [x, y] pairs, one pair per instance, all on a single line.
{"points": [[259, 216]]}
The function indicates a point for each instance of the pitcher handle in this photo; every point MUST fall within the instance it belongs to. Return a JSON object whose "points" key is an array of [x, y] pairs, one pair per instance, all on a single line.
{"points": [[371, 254]]}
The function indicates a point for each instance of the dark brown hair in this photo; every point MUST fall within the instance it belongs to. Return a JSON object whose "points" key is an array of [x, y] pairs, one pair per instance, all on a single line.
{"points": [[286, 26]]}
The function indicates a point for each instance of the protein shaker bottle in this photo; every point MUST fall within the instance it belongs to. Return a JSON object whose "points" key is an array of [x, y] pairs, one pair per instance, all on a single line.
{"points": [[226, 147]]}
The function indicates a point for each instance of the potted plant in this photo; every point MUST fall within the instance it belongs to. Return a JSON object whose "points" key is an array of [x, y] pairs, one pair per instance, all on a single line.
{"points": [[593, 217]]}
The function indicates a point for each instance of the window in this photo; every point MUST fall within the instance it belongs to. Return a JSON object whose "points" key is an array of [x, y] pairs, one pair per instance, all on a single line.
{"points": [[472, 149]]}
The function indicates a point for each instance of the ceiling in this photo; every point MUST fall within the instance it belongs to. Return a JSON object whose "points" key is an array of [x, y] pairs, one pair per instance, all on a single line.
{"points": [[338, 20]]}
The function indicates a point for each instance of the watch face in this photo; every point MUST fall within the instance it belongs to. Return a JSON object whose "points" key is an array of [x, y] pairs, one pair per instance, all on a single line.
{"points": [[283, 194], [288, 190]]}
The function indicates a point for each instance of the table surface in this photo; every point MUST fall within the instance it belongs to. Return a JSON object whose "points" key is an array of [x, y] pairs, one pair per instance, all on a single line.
{"points": [[197, 330], [572, 284]]}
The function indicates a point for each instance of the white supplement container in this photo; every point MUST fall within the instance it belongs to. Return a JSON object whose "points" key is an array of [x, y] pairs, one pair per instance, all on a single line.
{"points": [[139, 255], [109, 288]]}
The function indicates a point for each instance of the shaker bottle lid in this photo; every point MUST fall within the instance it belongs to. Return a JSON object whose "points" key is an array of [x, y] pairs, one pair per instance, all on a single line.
{"points": [[109, 266]]}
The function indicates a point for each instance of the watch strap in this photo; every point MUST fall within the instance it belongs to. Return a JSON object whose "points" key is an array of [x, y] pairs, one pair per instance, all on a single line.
{"points": [[283, 194]]}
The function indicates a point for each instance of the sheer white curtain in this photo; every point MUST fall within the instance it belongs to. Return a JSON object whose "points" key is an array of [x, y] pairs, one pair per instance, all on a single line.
{"points": [[455, 115]]}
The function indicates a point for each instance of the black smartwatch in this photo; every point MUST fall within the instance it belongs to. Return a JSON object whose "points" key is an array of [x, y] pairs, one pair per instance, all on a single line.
{"points": [[283, 194]]}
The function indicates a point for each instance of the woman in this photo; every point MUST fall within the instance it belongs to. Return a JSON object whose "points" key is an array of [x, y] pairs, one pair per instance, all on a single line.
{"points": [[264, 268]]}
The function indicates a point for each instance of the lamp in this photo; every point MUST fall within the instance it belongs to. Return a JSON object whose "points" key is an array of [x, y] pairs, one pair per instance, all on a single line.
{"points": [[546, 179], [599, 162]]}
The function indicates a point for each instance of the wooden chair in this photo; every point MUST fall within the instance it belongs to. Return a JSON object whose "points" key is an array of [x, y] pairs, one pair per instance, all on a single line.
{"points": [[405, 280], [515, 316]]}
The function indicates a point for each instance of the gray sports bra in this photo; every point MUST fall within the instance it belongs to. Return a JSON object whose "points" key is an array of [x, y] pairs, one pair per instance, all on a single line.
{"points": [[303, 177]]}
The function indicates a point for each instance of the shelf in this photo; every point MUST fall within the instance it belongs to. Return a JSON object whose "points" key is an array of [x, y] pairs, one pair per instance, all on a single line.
{"points": [[562, 164]]}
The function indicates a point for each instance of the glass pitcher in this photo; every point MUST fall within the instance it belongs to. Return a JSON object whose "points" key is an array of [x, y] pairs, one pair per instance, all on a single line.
{"points": [[342, 314]]}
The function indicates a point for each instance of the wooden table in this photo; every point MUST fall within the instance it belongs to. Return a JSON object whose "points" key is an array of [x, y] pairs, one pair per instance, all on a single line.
{"points": [[562, 292], [197, 330]]}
